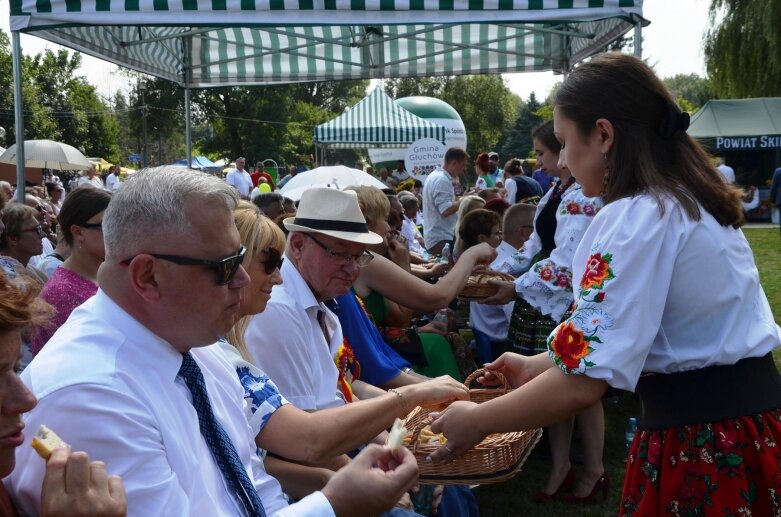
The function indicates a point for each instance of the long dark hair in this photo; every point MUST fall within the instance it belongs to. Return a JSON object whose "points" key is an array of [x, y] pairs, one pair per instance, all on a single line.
{"points": [[651, 151]]}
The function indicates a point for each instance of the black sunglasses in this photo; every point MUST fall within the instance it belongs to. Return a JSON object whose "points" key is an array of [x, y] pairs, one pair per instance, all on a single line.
{"points": [[273, 260], [224, 269], [92, 226]]}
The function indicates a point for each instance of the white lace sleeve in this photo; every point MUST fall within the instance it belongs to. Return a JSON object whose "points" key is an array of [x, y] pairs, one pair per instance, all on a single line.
{"points": [[547, 285]]}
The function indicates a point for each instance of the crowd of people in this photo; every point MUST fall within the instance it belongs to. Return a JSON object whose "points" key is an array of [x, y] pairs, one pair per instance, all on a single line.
{"points": [[216, 348]]}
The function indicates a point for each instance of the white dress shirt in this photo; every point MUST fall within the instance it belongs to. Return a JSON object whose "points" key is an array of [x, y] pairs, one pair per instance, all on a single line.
{"points": [[287, 343], [112, 182], [727, 171], [659, 292], [510, 188], [410, 232], [95, 181], [494, 320], [438, 196], [48, 249], [240, 180], [109, 386]]}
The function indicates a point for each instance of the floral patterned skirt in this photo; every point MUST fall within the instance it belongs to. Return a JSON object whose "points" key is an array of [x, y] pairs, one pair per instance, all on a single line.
{"points": [[732, 467]]}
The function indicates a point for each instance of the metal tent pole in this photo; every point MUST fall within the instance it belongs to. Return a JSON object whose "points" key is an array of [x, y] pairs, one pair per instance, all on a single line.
{"points": [[639, 38], [18, 115], [187, 128]]}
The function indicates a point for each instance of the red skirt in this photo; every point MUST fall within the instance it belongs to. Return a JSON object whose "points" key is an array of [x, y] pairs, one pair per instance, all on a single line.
{"points": [[732, 467]]}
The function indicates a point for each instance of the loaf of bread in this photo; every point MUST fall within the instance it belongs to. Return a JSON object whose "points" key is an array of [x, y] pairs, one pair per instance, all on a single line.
{"points": [[45, 442]]}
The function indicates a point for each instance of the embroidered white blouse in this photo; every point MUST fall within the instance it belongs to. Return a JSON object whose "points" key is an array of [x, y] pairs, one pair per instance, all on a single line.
{"points": [[659, 292], [547, 284]]}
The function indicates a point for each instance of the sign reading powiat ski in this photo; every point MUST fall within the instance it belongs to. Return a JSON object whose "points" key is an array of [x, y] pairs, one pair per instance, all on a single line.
{"points": [[748, 142]]}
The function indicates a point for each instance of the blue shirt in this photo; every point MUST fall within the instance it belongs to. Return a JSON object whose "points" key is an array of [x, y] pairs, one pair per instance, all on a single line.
{"points": [[379, 362], [544, 179]]}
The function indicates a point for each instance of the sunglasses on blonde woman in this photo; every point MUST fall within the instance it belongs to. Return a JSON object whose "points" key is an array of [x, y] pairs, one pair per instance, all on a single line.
{"points": [[273, 260]]}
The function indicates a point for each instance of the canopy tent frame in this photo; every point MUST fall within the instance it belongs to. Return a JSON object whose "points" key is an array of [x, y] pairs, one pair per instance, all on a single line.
{"points": [[375, 121], [273, 41]]}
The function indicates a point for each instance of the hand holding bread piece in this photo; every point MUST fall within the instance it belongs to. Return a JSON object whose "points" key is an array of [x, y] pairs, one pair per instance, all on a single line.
{"points": [[45, 442], [75, 485]]}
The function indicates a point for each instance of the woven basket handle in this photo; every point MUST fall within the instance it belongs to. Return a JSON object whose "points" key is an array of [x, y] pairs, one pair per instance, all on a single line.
{"points": [[416, 432], [480, 371]]}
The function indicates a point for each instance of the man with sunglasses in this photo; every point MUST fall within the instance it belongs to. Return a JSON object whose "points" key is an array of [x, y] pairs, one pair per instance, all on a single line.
{"points": [[132, 377]]}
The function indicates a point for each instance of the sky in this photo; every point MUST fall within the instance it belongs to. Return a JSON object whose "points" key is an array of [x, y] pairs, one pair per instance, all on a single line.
{"points": [[672, 44]]}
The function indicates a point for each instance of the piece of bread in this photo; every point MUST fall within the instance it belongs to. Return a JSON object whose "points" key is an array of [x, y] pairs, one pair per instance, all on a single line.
{"points": [[396, 435], [45, 442], [428, 436], [477, 286], [483, 277]]}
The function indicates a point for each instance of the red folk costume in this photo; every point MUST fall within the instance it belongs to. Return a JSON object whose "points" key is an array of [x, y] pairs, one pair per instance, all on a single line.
{"points": [[672, 308]]}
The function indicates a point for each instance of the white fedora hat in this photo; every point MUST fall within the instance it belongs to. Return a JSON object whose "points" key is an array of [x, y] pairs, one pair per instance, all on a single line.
{"points": [[332, 212]]}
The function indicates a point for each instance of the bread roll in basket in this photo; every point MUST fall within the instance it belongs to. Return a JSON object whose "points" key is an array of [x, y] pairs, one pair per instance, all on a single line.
{"points": [[478, 288]]}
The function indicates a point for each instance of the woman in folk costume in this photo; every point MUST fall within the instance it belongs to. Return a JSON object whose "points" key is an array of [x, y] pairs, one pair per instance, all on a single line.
{"points": [[668, 304]]}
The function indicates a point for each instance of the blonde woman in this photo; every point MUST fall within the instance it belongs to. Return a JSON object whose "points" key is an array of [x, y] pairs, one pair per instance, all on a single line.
{"points": [[281, 428]]}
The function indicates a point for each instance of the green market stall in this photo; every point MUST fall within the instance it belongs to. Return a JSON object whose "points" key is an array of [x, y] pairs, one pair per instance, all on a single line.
{"points": [[747, 133]]}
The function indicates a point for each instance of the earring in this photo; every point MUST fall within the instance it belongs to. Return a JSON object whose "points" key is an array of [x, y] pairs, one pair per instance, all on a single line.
{"points": [[605, 178]]}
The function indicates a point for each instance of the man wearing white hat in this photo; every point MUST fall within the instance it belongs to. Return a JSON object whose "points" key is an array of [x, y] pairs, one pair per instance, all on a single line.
{"points": [[296, 338]]}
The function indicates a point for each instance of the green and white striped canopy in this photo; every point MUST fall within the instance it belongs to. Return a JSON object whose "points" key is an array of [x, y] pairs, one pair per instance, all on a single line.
{"points": [[376, 121], [203, 43]]}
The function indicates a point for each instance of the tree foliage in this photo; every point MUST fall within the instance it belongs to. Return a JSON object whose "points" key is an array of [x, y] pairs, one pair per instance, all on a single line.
{"points": [[517, 141], [691, 88], [484, 103], [742, 51], [58, 104]]}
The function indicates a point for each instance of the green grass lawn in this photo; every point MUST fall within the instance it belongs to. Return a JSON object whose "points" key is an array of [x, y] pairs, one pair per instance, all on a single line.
{"points": [[514, 497]]}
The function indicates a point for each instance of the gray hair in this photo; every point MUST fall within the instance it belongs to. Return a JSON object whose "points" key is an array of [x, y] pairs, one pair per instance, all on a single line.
{"points": [[150, 207], [408, 201]]}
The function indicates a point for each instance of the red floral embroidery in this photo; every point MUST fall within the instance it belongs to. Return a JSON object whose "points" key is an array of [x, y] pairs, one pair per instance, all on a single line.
{"points": [[546, 274], [573, 208], [597, 271], [589, 209], [569, 345]]}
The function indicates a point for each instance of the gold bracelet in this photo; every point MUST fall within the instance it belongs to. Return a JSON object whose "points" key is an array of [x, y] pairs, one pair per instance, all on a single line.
{"points": [[401, 399]]}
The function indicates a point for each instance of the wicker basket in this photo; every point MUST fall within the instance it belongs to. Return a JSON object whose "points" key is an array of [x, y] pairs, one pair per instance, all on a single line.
{"points": [[481, 291], [497, 458]]}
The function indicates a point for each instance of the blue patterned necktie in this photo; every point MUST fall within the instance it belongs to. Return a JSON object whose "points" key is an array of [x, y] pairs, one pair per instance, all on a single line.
{"points": [[218, 440]]}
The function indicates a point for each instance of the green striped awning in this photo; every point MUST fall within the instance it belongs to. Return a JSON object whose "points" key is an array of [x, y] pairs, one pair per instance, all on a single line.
{"points": [[376, 121], [241, 42]]}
